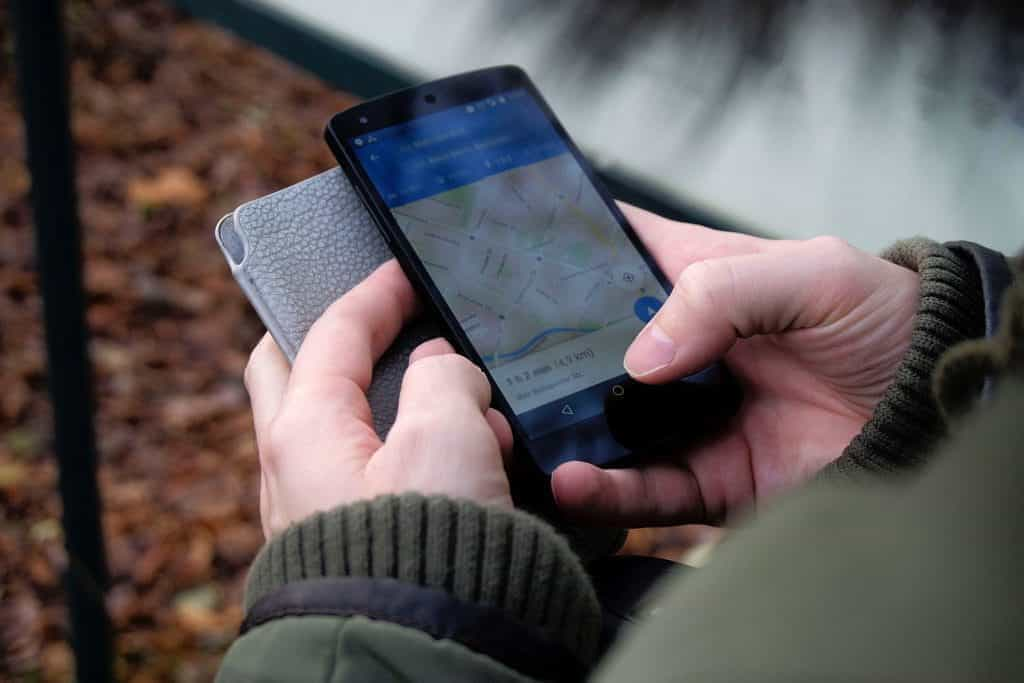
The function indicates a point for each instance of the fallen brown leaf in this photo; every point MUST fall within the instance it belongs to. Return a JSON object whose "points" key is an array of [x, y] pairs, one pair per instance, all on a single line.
{"points": [[174, 186]]}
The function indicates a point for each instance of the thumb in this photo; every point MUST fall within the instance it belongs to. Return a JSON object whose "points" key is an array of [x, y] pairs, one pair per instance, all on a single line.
{"points": [[717, 301]]}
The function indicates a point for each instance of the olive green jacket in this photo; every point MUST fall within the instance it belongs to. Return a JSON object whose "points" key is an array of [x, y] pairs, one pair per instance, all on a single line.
{"points": [[902, 561]]}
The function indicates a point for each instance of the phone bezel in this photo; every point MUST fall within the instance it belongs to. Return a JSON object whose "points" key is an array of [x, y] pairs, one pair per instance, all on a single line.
{"points": [[405, 105]]}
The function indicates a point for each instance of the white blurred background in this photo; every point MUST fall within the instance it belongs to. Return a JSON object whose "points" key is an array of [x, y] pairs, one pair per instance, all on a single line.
{"points": [[870, 120]]}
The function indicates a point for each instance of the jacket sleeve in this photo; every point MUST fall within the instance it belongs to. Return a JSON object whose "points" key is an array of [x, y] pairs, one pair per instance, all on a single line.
{"points": [[961, 287], [416, 588]]}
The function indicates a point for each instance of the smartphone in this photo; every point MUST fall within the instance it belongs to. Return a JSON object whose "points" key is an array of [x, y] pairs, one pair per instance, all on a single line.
{"points": [[533, 272]]}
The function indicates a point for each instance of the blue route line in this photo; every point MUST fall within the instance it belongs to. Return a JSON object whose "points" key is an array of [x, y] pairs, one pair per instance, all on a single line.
{"points": [[538, 338]]}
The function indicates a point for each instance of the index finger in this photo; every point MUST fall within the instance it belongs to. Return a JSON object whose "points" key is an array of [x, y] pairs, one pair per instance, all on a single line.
{"points": [[675, 244], [342, 346]]}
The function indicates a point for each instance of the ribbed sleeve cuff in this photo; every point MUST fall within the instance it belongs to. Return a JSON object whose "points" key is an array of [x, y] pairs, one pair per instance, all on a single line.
{"points": [[485, 555], [906, 422]]}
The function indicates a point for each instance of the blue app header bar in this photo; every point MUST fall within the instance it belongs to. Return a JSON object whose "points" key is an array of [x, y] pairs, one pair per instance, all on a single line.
{"points": [[455, 147]]}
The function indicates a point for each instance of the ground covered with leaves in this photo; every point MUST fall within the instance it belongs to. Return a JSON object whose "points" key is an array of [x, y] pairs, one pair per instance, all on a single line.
{"points": [[176, 123]]}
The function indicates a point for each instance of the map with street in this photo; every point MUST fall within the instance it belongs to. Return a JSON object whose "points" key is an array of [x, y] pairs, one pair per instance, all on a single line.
{"points": [[528, 259]]}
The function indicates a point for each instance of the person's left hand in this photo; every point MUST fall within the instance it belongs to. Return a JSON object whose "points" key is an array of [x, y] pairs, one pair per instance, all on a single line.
{"points": [[314, 430]]}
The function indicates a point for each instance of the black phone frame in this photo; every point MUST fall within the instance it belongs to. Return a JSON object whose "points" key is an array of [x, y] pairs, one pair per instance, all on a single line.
{"points": [[433, 97]]}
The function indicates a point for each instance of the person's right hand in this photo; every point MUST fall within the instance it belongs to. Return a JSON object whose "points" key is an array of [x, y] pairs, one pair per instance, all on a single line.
{"points": [[813, 329]]}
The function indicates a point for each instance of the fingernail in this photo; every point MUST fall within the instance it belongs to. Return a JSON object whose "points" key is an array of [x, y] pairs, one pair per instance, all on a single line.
{"points": [[651, 351]]}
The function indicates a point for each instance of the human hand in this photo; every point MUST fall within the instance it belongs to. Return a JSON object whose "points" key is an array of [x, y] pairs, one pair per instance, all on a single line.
{"points": [[314, 430], [813, 329]]}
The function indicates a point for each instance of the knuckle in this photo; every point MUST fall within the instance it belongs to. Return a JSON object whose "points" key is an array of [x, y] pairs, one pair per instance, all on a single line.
{"points": [[475, 377], [463, 364], [415, 429], [428, 365], [831, 245], [840, 255], [446, 380], [700, 284], [429, 427], [449, 365]]}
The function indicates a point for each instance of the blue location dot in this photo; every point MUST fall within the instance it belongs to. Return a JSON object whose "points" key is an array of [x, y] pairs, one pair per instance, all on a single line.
{"points": [[645, 307]]}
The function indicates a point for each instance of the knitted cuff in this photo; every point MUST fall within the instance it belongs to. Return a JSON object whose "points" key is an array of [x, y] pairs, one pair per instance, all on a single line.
{"points": [[906, 422], [479, 554], [971, 364]]}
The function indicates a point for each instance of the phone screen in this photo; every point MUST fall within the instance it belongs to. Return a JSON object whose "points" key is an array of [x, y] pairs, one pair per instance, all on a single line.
{"points": [[543, 279]]}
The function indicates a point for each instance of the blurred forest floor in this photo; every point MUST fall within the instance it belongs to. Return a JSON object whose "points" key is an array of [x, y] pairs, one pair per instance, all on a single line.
{"points": [[176, 124]]}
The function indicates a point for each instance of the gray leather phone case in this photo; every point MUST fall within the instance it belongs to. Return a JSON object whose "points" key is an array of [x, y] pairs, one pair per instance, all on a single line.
{"points": [[294, 252]]}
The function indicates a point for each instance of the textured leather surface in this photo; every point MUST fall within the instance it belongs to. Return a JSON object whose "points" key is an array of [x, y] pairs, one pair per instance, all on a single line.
{"points": [[305, 246]]}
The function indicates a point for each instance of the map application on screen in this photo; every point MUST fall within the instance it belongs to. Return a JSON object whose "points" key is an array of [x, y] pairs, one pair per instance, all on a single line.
{"points": [[543, 280]]}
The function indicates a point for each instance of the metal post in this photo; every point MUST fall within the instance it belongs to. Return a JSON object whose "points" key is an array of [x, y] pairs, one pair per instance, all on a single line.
{"points": [[43, 83]]}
